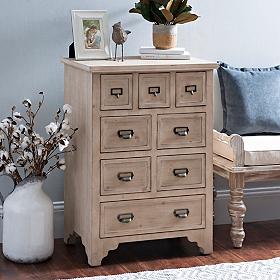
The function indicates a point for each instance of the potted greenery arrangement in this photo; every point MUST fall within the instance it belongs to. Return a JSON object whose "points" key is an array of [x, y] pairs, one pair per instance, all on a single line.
{"points": [[24, 156], [165, 14]]}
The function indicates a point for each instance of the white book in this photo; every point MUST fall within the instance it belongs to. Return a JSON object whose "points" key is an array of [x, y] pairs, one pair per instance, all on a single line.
{"points": [[185, 55], [153, 50]]}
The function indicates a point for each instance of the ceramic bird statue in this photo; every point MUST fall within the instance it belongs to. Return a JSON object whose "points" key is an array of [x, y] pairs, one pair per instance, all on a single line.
{"points": [[119, 36]]}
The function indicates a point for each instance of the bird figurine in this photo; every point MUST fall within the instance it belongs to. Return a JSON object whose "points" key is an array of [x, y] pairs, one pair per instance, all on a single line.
{"points": [[119, 36]]}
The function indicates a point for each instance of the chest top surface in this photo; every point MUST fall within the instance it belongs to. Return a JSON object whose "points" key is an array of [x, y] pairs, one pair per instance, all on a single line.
{"points": [[136, 64]]}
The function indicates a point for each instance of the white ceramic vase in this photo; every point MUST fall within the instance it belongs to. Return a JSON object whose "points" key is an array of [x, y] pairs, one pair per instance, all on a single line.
{"points": [[28, 223]]}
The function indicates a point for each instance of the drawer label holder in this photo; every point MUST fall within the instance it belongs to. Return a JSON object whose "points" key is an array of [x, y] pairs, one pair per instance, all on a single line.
{"points": [[125, 218], [125, 134], [125, 176], [181, 131], [190, 89], [154, 90], [181, 213], [181, 172], [117, 92]]}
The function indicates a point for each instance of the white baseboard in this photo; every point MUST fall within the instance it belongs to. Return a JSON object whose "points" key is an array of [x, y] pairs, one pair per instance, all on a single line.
{"points": [[262, 204], [58, 219]]}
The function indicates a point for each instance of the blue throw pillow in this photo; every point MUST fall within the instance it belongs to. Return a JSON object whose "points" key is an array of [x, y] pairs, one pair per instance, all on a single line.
{"points": [[250, 99]]}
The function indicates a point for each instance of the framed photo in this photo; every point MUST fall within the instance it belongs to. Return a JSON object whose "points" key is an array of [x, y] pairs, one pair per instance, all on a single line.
{"points": [[91, 35]]}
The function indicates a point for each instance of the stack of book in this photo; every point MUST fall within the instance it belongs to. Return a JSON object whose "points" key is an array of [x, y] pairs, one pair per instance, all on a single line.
{"points": [[153, 53]]}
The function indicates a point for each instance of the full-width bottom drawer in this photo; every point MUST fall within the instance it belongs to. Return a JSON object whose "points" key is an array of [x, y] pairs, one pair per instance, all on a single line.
{"points": [[152, 215]]}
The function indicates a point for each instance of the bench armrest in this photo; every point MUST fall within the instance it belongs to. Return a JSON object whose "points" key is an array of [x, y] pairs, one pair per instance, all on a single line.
{"points": [[229, 146]]}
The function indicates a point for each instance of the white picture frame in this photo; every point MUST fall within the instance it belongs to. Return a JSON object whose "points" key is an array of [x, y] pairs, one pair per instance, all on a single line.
{"points": [[91, 34]]}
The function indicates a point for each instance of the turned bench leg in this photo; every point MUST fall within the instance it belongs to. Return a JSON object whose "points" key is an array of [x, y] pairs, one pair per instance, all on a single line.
{"points": [[237, 208]]}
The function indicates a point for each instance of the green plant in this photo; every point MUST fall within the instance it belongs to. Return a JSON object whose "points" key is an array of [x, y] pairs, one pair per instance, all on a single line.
{"points": [[165, 11]]}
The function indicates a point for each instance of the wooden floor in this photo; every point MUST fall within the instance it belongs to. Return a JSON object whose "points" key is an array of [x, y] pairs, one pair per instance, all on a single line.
{"points": [[69, 261]]}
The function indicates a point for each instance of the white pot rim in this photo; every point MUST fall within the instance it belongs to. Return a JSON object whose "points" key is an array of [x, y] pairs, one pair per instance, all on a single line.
{"points": [[164, 29]]}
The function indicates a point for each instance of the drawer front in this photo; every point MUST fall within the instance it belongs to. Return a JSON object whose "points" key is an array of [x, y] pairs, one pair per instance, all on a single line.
{"points": [[120, 176], [154, 90], [181, 172], [152, 215], [181, 130], [125, 133], [190, 89], [116, 92]]}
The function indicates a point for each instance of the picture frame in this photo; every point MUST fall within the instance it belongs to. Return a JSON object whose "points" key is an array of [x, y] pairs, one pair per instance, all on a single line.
{"points": [[91, 34]]}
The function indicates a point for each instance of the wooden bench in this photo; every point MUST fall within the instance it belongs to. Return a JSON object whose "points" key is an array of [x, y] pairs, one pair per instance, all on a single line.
{"points": [[243, 159]]}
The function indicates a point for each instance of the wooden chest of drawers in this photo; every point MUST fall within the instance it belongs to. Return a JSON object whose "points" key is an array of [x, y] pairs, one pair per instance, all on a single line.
{"points": [[143, 165]]}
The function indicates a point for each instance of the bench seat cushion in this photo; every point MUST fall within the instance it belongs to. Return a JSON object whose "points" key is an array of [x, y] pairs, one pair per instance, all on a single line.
{"points": [[262, 149]]}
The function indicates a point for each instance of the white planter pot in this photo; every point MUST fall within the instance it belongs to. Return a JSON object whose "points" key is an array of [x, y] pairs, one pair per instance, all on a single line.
{"points": [[164, 36], [28, 223]]}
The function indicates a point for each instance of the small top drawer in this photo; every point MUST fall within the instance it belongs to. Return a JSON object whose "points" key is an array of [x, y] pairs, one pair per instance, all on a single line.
{"points": [[181, 130], [154, 90], [116, 92], [126, 133], [190, 89]]}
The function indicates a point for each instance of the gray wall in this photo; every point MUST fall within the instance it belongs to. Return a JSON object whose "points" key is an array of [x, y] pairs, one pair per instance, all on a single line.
{"points": [[35, 34]]}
